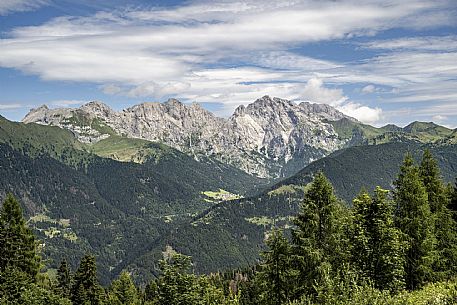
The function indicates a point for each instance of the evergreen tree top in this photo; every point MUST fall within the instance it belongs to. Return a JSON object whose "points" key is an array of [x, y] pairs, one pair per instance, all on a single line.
{"points": [[17, 242], [11, 212]]}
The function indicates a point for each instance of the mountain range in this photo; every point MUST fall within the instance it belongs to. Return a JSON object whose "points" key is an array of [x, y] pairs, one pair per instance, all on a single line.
{"points": [[269, 138], [259, 138], [126, 185]]}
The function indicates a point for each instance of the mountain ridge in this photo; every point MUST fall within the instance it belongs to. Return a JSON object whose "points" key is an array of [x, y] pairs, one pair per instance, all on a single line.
{"points": [[258, 138]]}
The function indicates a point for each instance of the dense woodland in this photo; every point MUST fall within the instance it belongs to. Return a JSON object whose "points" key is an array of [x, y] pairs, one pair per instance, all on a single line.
{"points": [[396, 247]]}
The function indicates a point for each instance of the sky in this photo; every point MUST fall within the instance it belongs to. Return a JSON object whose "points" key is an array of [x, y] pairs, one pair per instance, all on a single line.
{"points": [[381, 62]]}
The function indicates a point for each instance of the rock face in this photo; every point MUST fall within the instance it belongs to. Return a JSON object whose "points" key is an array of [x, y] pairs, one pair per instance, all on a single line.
{"points": [[268, 138]]}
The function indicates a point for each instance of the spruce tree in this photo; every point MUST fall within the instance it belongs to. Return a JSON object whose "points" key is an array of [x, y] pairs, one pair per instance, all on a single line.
{"points": [[414, 219], [17, 242], [444, 224], [86, 289], [436, 190], [377, 246], [276, 274], [320, 244], [123, 291], [64, 279]]}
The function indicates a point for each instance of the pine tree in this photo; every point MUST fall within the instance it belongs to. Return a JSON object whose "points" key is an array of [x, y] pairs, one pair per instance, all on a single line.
{"points": [[17, 242], [86, 289], [123, 291], [444, 224], [321, 247], [276, 274], [377, 246], [414, 219], [64, 279]]}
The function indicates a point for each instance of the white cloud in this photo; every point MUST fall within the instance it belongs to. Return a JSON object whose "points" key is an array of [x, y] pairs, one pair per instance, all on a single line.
{"points": [[439, 118], [137, 46], [10, 106], [10, 6], [368, 89], [315, 91], [66, 103], [156, 90], [428, 43], [111, 89], [233, 52], [364, 114]]}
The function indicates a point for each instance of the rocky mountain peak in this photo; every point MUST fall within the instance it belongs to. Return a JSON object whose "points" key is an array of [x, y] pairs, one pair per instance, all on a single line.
{"points": [[42, 115], [173, 102], [273, 103], [41, 109], [325, 111], [96, 108]]}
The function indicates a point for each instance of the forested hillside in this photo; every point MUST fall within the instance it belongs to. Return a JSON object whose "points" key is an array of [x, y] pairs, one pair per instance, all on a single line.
{"points": [[398, 249], [232, 233]]}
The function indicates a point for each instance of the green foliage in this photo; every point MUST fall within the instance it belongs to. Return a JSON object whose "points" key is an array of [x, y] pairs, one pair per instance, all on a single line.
{"points": [[276, 273], [16, 288], [123, 291], [17, 242], [444, 225], [378, 250], [414, 219], [453, 202], [321, 247], [64, 279], [177, 285], [86, 289], [442, 293], [35, 295], [12, 283]]}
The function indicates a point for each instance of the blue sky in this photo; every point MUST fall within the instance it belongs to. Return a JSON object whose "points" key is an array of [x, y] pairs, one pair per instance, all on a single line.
{"points": [[379, 61]]}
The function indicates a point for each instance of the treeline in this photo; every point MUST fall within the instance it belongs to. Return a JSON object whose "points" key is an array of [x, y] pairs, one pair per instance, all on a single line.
{"points": [[388, 248]]}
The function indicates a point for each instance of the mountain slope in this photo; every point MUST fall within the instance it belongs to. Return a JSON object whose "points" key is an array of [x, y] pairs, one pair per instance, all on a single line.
{"points": [[357, 133], [231, 233]]}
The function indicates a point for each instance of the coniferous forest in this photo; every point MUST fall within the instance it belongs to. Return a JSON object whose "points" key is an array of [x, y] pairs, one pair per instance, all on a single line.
{"points": [[396, 247]]}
